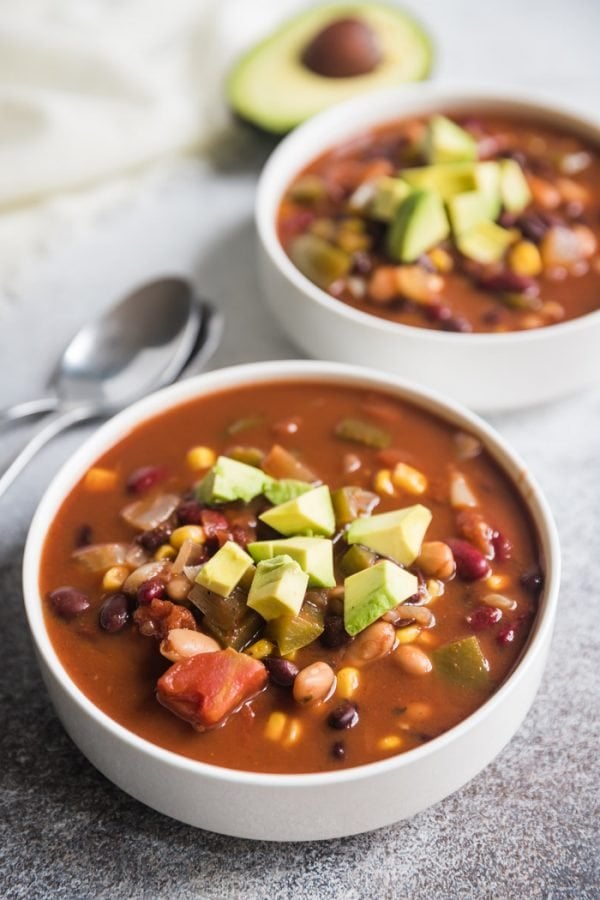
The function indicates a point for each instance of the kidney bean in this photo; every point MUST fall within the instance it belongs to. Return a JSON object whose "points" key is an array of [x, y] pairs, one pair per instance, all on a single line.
{"points": [[67, 602], [189, 512], [114, 612], [471, 565], [532, 581], [502, 546], [457, 323], [534, 226], [151, 540], [152, 589], [343, 716], [313, 683], [281, 671], [334, 634], [511, 283], [144, 478], [506, 635], [484, 617]]}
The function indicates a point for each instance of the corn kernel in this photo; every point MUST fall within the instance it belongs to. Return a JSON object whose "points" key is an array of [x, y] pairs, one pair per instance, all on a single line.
{"points": [[409, 479], [114, 578], [408, 634], [348, 680], [192, 533], [99, 479], [275, 726], [260, 649], [435, 589], [165, 551], [200, 458], [525, 259], [283, 728], [390, 742], [441, 259], [383, 483], [497, 582]]}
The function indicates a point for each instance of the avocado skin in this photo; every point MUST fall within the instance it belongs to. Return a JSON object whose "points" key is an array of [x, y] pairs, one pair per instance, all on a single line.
{"points": [[270, 107]]}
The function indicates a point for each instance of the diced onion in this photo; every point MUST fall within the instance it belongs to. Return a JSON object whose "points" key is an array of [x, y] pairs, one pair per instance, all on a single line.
{"points": [[461, 494], [101, 557], [150, 512]]}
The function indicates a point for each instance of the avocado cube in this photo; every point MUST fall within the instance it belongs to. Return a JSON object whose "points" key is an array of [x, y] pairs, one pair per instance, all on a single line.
{"points": [[468, 210], [286, 489], [278, 587], [419, 224], [314, 555], [445, 179], [224, 571], [389, 194], [445, 142], [231, 480], [486, 242], [309, 514], [487, 176], [370, 593], [462, 662], [514, 189], [397, 534]]}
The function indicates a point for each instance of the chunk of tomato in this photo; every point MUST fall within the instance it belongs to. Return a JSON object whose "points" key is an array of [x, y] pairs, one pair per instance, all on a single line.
{"points": [[207, 688]]}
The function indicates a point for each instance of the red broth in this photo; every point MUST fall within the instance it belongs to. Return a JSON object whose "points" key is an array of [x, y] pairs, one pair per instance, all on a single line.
{"points": [[396, 708], [549, 273]]}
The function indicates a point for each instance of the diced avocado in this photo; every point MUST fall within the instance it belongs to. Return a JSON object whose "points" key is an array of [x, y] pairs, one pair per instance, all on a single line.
{"points": [[389, 194], [419, 224], [309, 514], [314, 555], [278, 587], [445, 142], [462, 662], [485, 243], [285, 489], [293, 632], [397, 534], [370, 593], [467, 210], [320, 261], [351, 502], [272, 86], [487, 176], [231, 480], [224, 571], [356, 559], [514, 189], [445, 179]]}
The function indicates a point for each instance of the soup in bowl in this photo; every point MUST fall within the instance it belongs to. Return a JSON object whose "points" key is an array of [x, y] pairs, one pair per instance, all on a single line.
{"points": [[291, 577]]}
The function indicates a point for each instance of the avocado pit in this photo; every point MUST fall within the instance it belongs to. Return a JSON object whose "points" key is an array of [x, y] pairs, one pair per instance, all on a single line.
{"points": [[344, 49]]}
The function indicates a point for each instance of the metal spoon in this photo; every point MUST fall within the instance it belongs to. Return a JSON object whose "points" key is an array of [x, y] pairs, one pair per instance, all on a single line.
{"points": [[135, 348]]}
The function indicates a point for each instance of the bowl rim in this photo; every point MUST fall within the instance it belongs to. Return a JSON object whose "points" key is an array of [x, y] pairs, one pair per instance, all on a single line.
{"points": [[221, 380], [378, 107]]}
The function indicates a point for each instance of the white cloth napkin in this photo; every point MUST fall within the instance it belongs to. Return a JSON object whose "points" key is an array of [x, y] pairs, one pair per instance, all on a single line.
{"points": [[93, 90]]}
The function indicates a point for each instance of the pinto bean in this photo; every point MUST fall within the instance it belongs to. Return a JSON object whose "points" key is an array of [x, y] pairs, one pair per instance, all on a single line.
{"points": [[313, 683], [373, 643]]}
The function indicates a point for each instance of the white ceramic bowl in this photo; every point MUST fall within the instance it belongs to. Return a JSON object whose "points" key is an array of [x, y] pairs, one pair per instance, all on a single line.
{"points": [[292, 807], [485, 371]]}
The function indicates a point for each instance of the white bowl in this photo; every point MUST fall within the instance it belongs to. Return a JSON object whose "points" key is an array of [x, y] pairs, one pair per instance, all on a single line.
{"points": [[292, 807], [485, 371]]}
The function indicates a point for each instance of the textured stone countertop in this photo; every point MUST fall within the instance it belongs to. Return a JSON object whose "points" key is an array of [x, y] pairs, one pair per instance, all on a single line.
{"points": [[528, 825]]}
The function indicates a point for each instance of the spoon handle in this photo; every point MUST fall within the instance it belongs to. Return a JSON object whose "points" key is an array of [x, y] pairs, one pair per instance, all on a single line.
{"points": [[28, 408], [52, 425]]}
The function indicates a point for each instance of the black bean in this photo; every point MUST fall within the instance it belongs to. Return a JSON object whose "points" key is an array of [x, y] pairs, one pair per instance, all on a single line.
{"points": [[334, 634], [83, 536], [68, 602], [281, 671], [343, 716], [114, 612], [189, 512], [510, 282], [152, 540], [532, 581], [457, 323], [338, 751]]}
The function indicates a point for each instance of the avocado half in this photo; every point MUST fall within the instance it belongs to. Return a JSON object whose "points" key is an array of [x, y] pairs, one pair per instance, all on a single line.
{"points": [[271, 87]]}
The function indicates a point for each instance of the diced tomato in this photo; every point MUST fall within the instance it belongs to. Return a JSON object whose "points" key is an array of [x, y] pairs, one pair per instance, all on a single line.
{"points": [[207, 688], [213, 521]]}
